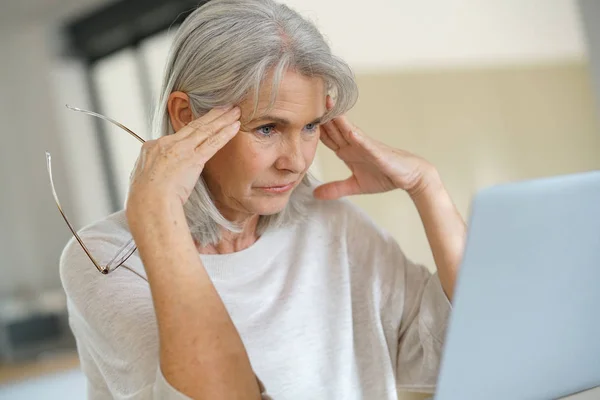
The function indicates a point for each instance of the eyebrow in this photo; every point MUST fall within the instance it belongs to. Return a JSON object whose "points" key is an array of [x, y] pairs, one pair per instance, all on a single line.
{"points": [[281, 121]]}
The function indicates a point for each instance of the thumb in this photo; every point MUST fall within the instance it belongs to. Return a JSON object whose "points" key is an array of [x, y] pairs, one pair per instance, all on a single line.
{"points": [[337, 189]]}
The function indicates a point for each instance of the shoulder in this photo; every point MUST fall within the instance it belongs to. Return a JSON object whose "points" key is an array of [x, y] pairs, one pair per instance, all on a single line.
{"points": [[343, 226], [112, 316], [346, 219], [101, 237], [104, 239]]}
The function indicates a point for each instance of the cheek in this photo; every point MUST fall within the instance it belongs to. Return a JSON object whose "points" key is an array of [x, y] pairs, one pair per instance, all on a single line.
{"points": [[310, 149], [224, 167], [247, 159], [255, 162]]}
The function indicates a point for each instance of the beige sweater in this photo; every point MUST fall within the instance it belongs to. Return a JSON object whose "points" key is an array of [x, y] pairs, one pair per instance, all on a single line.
{"points": [[329, 308]]}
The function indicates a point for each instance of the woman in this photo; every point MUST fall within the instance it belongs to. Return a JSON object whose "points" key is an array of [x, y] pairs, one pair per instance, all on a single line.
{"points": [[246, 274]]}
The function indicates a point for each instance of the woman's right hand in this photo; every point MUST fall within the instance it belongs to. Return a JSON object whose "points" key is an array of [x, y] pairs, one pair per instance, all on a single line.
{"points": [[168, 168], [196, 336]]}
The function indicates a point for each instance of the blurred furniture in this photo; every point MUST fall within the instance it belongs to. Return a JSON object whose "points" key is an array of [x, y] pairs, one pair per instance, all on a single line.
{"points": [[11, 373], [33, 325]]}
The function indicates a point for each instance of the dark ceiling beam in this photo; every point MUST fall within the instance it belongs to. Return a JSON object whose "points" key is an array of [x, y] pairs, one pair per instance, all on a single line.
{"points": [[122, 24]]}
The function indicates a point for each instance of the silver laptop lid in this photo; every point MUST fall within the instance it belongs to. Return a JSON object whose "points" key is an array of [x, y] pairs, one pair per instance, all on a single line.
{"points": [[526, 317]]}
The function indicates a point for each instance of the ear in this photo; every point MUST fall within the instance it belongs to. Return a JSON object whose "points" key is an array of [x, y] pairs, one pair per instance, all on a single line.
{"points": [[180, 112]]}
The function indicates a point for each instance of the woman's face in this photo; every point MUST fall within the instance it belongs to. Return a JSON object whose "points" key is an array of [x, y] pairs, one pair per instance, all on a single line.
{"points": [[256, 172]]}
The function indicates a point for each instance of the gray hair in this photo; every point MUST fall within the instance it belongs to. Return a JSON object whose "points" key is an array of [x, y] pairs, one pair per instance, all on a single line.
{"points": [[222, 52]]}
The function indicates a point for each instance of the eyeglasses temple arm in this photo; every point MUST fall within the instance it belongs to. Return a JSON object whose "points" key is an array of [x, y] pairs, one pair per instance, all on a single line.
{"points": [[107, 119], [49, 167]]}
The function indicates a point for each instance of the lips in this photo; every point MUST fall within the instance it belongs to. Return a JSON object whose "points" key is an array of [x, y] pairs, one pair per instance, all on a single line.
{"points": [[277, 188]]}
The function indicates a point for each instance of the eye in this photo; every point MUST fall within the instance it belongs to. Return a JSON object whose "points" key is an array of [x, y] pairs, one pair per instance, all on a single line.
{"points": [[311, 127], [266, 130]]}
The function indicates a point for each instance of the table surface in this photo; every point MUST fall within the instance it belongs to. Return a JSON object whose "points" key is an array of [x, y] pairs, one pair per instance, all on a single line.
{"points": [[10, 373], [591, 394]]}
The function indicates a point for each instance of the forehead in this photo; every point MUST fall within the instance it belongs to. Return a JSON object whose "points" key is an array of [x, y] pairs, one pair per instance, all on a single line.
{"points": [[298, 96]]}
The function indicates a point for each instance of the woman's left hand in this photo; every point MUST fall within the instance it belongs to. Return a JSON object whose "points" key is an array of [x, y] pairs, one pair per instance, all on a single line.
{"points": [[375, 166]]}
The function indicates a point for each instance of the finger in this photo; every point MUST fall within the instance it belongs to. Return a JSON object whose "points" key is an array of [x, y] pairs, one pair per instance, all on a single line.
{"points": [[210, 117], [337, 189], [344, 126], [203, 132], [214, 143], [224, 120], [200, 121], [363, 141], [332, 130], [327, 140], [329, 103], [216, 112], [335, 134], [373, 149]]}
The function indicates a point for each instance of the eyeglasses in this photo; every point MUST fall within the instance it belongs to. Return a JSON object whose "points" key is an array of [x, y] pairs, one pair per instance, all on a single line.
{"points": [[128, 248]]}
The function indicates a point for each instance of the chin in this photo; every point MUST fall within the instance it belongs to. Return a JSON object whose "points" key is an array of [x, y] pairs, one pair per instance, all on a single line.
{"points": [[270, 206]]}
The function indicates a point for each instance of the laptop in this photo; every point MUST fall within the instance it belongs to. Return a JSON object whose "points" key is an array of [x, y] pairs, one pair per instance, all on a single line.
{"points": [[526, 313]]}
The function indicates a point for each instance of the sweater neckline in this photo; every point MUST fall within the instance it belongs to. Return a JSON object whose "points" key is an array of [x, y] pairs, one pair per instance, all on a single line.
{"points": [[248, 262]]}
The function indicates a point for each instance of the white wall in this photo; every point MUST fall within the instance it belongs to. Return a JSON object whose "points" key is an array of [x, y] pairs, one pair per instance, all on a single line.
{"points": [[31, 230], [590, 15], [78, 139], [385, 34]]}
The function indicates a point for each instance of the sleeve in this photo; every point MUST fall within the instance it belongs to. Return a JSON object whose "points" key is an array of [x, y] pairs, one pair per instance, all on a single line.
{"points": [[414, 308], [425, 313], [112, 318]]}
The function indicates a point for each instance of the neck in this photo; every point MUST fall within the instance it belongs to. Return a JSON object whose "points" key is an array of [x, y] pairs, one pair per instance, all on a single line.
{"points": [[232, 242]]}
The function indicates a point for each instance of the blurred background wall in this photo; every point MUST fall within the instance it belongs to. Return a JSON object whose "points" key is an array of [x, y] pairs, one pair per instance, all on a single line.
{"points": [[488, 91]]}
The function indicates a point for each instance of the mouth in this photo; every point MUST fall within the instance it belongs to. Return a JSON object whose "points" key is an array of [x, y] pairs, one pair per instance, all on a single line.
{"points": [[286, 187]]}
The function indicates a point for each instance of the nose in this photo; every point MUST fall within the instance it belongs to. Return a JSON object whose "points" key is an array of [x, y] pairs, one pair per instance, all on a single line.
{"points": [[291, 156]]}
